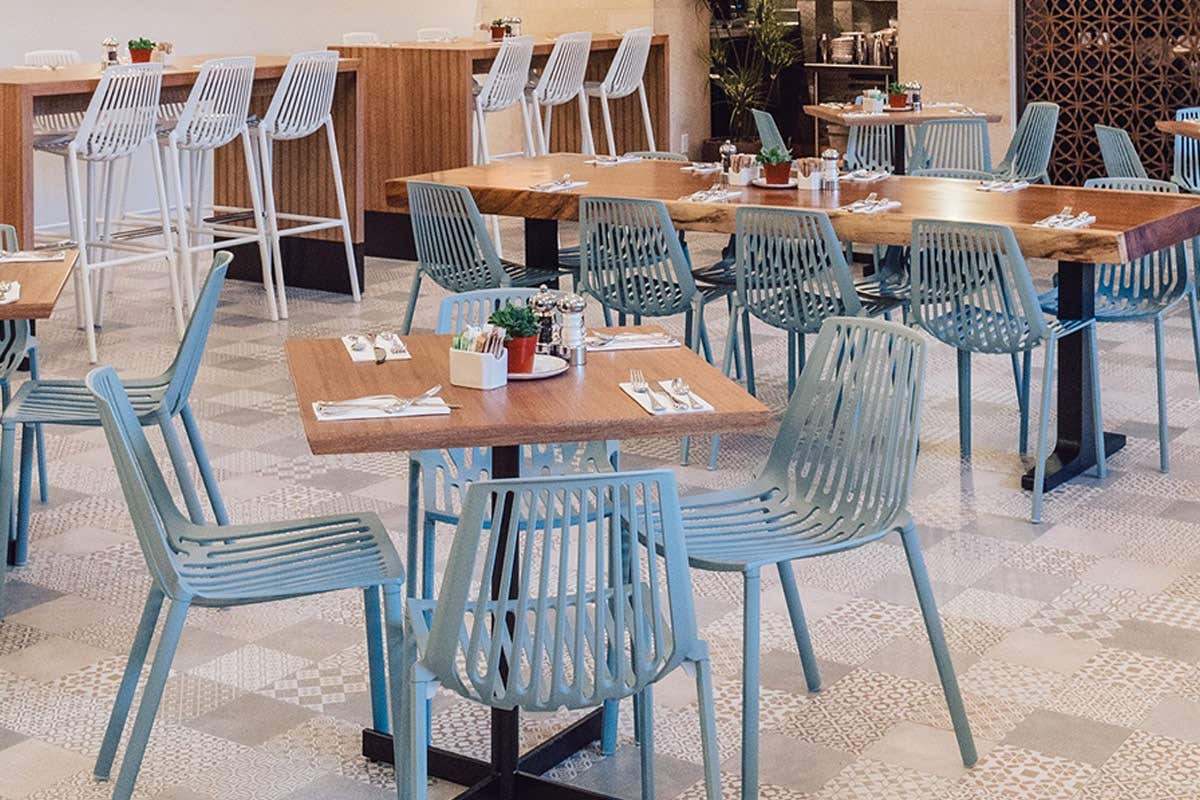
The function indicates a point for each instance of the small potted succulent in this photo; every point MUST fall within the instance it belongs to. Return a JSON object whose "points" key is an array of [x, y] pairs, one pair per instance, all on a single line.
{"points": [[140, 50], [522, 335], [500, 29], [776, 165], [897, 95]]}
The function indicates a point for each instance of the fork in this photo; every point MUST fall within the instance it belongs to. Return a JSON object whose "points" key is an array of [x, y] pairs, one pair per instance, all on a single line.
{"points": [[637, 382], [679, 387]]}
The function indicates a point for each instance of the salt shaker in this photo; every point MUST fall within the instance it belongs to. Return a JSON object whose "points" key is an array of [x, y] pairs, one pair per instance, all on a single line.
{"points": [[544, 304], [829, 167], [571, 334]]}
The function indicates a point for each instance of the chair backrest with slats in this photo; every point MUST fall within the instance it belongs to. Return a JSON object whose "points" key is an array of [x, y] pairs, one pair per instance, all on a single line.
{"points": [[14, 333], [595, 579], [952, 144], [453, 246], [956, 174], [361, 38], [303, 99], [1186, 161], [629, 63], [181, 375], [1028, 154], [632, 259], [870, 147], [1121, 159], [51, 58], [216, 108], [562, 77], [768, 131], [505, 83], [122, 114], [791, 271], [848, 442], [971, 287], [457, 311]]}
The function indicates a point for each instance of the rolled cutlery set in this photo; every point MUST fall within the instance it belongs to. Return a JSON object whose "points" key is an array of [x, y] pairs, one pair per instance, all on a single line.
{"points": [[1067, 218], [385, 346], [679, 397], [871, 204]]}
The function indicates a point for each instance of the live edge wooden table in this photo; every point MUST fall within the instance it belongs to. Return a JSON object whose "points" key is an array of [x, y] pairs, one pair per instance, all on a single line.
{"points": [[304, 186], [900, 120], [41, 282], [584, 404], [1128, 225], [417, 106]]}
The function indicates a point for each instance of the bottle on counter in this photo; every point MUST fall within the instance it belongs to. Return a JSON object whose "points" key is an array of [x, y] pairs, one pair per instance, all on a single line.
{"points": [[823, 49]]}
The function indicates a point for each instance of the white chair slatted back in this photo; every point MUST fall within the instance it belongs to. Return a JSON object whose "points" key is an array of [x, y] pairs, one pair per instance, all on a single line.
{"points": [[304, 98], [434, 34], [360, 37], [122, 114], [562, 77], [51, 58], [505, 84], [216, 108], [629, 64]]}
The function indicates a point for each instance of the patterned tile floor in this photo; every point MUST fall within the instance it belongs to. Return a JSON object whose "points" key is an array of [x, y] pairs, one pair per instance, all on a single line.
{"points": [[1077, 641]]}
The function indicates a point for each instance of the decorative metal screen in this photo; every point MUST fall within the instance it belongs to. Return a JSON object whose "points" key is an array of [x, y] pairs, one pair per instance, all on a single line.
{"points": [[1126, 63]]}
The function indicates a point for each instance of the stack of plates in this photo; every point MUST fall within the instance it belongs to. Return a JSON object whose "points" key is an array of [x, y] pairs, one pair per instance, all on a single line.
{"points": [[842, 50]]}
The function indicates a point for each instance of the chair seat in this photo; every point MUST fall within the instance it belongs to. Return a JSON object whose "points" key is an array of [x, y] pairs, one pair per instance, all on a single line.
{"points": [[251, 563], [1111, 309], [719, 273], [741, 528], [53, 143], [593, 90], [570, 258], [948, 327], [522, 275], [72, 403]]}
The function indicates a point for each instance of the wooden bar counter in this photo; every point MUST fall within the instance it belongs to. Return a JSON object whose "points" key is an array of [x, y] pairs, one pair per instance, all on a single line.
{"points": [[303, 182], [417, 107]]}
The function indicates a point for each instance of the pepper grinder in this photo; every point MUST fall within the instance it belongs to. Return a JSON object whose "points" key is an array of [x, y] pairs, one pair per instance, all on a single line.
{"points": [[544, 304], [571, 333]]}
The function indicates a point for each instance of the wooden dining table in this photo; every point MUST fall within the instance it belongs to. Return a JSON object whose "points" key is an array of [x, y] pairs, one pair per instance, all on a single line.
{"points": [[42, 283], [1128, 225], [851, 116], [583, 404]]}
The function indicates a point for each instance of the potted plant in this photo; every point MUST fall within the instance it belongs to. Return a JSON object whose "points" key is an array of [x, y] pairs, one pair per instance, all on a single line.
{"points": [[776, 165], [897, 95], [499, 30], [140, 50], [521, 335]]}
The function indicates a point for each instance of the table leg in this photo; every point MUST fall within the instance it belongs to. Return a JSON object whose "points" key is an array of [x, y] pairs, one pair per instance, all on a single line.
{"points": [[541, 245], [508, 774], [898, 145], [1074, 451]]}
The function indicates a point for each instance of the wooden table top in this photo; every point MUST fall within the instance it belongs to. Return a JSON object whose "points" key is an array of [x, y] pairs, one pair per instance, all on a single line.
{"points": [[41, 284], [1188, 128], [583, 404], [1128, 224], [851, 116], [488, 49], [76, 78]]}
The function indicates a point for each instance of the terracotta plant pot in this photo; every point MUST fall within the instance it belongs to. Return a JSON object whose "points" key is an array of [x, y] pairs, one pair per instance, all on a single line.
{"points": [[898, 100], [777, 174], [140, 56], [521, 351], [498, 32]]}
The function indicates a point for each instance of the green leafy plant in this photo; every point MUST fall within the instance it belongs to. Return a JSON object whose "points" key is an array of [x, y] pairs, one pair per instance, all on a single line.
{"points": [[497, 23], [518, 321], [769, 156], [746, 58], [896, 87], [141, 44]]}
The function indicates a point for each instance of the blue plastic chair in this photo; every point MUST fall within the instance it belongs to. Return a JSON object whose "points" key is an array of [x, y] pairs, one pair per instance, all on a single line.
{"points": [[1029, 151], [870, 147], [1120, 156], [218, 567], [972, 290], [1146, 289], [955, 174], [768, 132], [602, 609], [952, 144], [838, 477], [1185, 169], [158, 401], [454, 249]]}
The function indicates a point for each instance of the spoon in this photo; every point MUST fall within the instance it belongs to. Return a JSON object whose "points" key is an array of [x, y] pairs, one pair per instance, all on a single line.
{"points": [[680, 387]]}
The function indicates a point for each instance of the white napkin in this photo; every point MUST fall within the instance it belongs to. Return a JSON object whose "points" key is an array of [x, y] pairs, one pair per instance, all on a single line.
{"points": [[555, 186], [865, 114], [866, 175], [863, 207], [612, 162], [15, 256], [664, 395], [705, 196], [1081, 220], [1003, 187], [702, 168], [10, 292], [368, 353], [642, 341], [430, 407]]}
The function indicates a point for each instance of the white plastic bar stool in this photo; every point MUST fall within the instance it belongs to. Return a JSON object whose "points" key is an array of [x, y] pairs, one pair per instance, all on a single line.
{"points": [[560, 83], [52, 132], [625, 76], [121, 117], [215, 115], [360, 37], [503, 88], [302, 106]]}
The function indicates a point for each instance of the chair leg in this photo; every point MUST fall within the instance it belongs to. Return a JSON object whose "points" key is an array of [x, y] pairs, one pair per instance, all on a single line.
{"points": [[412, 302], [256, 203], [937, 640], [186, 256], [539, 126], [398, 669], [272, 218], [340, 192], [606, 113], [750, 667], [645, 712], [43, 485], [708, 729], [646, 115], [82, 266], [1022, 406], [414, 517], [1194, 313], [1026, 381], [375, 660], [411, 745], [24, 491], [1160, 368], [1043, 443], [748, 347], [609, 721], [205, 466], [964, 404], [808, 659], [129, 681], [1097, 409], [182, 472], [585, 124], [151, 695], [164, 218], [8, 444]]}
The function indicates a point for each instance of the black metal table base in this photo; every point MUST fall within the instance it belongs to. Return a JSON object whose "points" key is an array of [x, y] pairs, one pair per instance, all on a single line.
{"points": [[526, 782]]}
